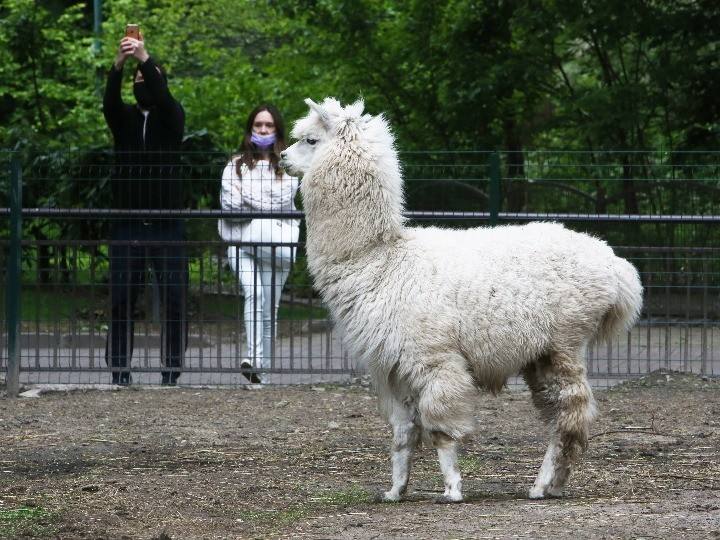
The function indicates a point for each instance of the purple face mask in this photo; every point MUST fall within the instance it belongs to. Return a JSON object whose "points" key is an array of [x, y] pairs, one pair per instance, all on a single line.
{"points": [[263, 141]]}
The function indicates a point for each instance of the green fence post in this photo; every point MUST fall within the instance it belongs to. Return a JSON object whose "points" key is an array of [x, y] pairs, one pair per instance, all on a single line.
{"points": [[494, 194], [12, 378], [97, 25]]}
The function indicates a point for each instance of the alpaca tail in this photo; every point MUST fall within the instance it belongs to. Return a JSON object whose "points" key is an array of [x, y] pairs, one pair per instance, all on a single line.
{"points": [[626, 309]]}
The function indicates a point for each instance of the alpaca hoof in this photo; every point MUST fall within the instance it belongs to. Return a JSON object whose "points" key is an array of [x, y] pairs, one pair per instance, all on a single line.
{"points": [[547, 492], [386, 497], [446, 499]]}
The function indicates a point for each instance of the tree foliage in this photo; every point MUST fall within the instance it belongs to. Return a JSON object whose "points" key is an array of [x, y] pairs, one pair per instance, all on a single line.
{"points": [[461, 74]]}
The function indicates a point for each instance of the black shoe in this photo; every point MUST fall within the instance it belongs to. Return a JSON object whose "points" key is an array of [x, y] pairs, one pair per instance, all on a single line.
{"points": [[246, 370], [169, 378], [122, 378]]}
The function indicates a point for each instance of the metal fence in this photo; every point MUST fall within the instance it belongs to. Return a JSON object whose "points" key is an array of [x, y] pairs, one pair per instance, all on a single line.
{"points": [[655, 208]]}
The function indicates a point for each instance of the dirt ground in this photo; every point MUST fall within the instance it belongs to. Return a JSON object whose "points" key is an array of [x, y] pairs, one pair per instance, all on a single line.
{"points": [[305, 462]]}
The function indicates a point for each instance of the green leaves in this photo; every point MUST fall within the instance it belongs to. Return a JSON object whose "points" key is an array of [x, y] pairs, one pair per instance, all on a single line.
{"points": [[47, 77], [457, 73]]}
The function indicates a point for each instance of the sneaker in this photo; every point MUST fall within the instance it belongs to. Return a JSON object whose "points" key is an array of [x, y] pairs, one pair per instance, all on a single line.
{"points": [[246, 369]]}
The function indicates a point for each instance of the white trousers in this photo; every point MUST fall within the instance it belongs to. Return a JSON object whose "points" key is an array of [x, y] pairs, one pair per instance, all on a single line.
{"points": [[262, 272]]}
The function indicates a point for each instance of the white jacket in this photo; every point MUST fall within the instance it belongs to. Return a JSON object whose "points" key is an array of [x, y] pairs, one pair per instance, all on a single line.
{"points": [[258, 189]]}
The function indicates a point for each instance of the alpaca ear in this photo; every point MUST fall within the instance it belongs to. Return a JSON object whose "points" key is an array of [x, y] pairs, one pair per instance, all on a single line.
{"points": [[356, 109], [321, 112]]}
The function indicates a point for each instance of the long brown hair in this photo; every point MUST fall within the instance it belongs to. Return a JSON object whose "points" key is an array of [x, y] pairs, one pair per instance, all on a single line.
{"points": [[250, 154]]}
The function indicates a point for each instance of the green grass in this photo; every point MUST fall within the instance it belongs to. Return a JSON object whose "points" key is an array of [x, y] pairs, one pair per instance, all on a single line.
{"points": [[351, 496], [37, 522], [472, 464], [272, 520], [25, 521], [49, 305], [302, 313], [229, 307], [83, 268]]}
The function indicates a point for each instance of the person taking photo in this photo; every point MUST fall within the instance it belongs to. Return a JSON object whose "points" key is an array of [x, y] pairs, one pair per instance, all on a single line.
{"points": [[147, 138]]}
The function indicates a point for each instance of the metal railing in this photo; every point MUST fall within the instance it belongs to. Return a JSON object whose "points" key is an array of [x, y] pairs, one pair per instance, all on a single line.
{"points": [[66, 315], [59, 333]]}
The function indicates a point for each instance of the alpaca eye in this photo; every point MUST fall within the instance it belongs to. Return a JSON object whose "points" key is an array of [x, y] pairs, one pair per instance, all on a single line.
{"points": [[311, 141]]}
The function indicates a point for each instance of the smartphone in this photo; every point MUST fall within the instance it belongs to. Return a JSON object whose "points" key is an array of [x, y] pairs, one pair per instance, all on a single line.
{"points": [[132, 31]]}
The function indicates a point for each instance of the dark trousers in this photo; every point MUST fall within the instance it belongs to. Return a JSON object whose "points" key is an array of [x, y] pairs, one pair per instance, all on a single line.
{"points": [[128, 265]]}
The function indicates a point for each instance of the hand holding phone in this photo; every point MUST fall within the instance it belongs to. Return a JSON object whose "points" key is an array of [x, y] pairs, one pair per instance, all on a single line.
{"points": [[133, 42], [133, 31], [125, 50]]}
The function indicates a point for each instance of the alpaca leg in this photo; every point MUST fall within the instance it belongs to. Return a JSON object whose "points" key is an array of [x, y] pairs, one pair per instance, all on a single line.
{"points": [[576, 409], [561, 391], [447, 455], [446, 408], [534, 375], [405, 439]]}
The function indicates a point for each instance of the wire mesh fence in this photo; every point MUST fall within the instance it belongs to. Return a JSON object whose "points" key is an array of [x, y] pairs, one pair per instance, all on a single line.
{"points": [[655, 208], [67, 313]]}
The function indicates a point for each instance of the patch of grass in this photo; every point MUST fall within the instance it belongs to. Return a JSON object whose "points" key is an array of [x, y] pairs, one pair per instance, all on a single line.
{"points": [[472, 464], [272, 519], [347, 497], [302, 313], [231, 307], [44, 304], [60, 304], [25, 521]]}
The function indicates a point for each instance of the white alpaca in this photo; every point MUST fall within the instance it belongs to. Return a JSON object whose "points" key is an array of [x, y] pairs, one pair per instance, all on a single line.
{"points": [[440, 314]]}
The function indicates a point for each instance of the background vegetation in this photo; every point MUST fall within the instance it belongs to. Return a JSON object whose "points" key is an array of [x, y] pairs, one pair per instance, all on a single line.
{"points": [[459, 74]]}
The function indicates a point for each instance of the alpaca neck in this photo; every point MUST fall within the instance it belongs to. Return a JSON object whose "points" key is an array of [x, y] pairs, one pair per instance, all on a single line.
{"points": [[353, 201], [347, 233]]}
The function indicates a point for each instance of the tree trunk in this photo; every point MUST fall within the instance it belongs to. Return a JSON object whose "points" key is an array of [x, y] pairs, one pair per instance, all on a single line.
{"points": [[600, 198], [628, 187]]}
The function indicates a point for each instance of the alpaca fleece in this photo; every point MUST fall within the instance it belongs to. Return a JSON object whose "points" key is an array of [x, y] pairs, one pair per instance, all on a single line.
{"points": [[440, 314]]}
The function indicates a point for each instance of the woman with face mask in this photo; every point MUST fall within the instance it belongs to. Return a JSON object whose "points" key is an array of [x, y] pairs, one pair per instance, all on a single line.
{"points": [[254, 181]]}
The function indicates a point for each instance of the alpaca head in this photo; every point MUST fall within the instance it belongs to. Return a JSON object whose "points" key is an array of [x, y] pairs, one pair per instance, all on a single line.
{"points": [[351, 174], [329, 121]]}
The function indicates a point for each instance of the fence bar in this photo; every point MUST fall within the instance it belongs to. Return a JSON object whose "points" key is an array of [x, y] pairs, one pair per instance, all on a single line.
{"points": [[273, 322], [494, 174], [149, 213], [12, 379]]}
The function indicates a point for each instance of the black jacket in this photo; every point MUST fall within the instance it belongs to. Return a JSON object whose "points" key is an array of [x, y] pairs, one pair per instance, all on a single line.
{"points": [[147, 170]]}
